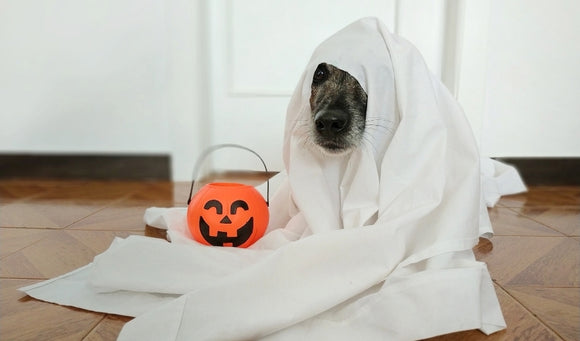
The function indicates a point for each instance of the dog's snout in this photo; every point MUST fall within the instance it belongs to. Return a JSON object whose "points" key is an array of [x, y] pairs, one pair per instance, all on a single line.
{"points": [[331, 122], [338, 110]]}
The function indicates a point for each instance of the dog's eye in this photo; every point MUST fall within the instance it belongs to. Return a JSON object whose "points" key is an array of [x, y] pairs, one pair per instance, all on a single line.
{"points": [[320, 74]]}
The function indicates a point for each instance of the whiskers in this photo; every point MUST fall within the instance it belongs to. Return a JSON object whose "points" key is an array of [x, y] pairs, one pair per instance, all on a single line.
{"points": [[304, 132], [377, 130], [378, 124]]}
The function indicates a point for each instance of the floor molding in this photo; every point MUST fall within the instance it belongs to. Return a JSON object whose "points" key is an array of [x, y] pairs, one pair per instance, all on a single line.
{"points": [[94, 167], [547, 171], [534, 171]]}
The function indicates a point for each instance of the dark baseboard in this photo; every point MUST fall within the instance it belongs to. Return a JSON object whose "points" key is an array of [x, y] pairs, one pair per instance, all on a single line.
{"points": [[94, 167], [547, 171], [534, 171]]}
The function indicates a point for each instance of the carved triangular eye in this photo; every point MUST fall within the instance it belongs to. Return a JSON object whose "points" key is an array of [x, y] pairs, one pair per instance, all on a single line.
{"points": [[216, 204], [237, 204]]}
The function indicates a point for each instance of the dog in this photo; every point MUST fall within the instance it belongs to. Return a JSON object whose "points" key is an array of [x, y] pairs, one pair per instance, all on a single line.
{"points": [[338, 107]]}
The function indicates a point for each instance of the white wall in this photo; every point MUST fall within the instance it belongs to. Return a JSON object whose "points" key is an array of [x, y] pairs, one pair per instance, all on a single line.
{"points": [[513, 66], [174, 76], [82, 76], [532, 103], [106, 76]]}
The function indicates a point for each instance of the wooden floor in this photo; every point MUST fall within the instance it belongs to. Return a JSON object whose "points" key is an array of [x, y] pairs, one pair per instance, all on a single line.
{"points": [[49, 228]]}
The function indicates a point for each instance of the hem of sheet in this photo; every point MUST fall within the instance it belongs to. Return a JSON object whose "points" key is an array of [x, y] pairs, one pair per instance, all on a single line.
{"points": [[74, 290]]}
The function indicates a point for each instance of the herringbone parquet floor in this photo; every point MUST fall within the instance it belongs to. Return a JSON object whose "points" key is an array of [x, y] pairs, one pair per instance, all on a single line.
{"points": [[48, 228]]}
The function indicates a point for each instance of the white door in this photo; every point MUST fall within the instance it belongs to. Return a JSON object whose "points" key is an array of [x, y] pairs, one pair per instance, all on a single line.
{"points": [[258, 50]]}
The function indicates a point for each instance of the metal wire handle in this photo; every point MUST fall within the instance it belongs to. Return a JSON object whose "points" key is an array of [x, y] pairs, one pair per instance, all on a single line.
{"points": [[220, 146]]}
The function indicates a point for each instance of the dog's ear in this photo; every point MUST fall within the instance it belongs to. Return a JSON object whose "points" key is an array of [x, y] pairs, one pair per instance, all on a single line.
{"points": [[320, 74]]}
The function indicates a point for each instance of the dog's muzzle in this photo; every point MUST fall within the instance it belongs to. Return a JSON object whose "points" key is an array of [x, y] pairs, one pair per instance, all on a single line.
{"points": [[331, 127]]}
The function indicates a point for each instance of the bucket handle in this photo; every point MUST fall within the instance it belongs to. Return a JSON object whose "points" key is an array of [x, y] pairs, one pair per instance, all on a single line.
{"points": [[220, 146]]}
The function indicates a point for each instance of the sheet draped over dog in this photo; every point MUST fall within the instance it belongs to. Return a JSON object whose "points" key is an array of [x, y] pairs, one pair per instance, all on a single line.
{"points": [[374, 245]]}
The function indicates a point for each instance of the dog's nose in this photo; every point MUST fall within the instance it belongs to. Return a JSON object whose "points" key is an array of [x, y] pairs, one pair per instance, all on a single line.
{"points": [[330, 122]]}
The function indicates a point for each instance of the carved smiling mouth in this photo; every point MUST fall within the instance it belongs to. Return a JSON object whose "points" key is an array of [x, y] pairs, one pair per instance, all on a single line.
{"points": [[243, 234]]}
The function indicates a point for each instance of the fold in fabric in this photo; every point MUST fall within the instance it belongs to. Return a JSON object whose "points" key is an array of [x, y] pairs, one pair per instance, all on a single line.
{"points": [[375, 244], [499, 179]]}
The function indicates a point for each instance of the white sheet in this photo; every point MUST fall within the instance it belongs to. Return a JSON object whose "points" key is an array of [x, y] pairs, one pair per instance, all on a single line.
{"points": [[375, 245]]}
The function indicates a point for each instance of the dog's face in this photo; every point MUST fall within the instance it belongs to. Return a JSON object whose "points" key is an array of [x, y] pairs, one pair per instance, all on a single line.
{"points": [[338, 104]]}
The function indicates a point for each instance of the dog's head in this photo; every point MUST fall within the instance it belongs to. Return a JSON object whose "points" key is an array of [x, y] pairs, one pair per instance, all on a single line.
{"points": [[338, 104]]}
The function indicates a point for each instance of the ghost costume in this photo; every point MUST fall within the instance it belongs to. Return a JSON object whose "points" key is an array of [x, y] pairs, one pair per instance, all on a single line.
{"points": [[375, 244]]}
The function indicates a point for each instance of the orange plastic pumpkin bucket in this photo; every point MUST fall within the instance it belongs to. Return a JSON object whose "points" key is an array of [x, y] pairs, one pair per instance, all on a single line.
{"points": [[227, 214]]}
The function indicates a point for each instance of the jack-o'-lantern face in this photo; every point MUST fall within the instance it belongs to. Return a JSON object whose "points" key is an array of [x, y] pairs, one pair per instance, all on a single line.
{"points": [[229, 226], [225, 214]]}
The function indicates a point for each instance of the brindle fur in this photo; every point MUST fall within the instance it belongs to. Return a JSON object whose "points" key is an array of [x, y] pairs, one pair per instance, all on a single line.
{"points": [[338, 95]]}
